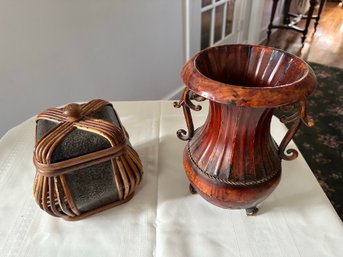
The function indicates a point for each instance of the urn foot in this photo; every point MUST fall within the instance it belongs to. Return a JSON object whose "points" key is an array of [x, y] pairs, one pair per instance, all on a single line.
{"points": [[192, 190], [251, 211]]}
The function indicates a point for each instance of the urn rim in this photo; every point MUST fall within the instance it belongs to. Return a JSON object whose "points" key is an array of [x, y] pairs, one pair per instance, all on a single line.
{"points": [[243, 94]]}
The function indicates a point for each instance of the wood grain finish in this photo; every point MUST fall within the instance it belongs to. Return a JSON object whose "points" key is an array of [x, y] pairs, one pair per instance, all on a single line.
{"points": [[232, 159], [55, 188]]}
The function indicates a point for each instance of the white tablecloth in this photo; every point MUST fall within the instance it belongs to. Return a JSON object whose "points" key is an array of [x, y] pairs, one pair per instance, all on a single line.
{"points": [[163, 218]]}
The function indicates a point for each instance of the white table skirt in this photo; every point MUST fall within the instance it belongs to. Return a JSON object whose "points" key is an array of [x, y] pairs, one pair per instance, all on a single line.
{"points": [[164, 219]]}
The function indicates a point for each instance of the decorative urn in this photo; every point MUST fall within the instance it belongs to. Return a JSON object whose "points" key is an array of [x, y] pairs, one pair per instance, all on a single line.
{"points": [[232, 160]]}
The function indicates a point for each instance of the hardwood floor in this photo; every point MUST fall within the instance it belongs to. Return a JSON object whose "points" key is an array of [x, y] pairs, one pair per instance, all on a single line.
{"points": [[325, 46]]}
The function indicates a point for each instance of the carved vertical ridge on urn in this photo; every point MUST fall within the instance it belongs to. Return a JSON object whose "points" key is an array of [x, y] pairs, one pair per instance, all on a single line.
{"points": [[220, 150], [228, 127], [213, 144], [265, 146], [195, 143], [240, 148]]}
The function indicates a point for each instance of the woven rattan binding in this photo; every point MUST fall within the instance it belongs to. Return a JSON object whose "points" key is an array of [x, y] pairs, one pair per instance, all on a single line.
{"points": [[51, 191]]}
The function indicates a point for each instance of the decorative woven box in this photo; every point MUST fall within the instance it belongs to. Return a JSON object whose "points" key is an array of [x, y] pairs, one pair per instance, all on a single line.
{"points": [[84, 160]]}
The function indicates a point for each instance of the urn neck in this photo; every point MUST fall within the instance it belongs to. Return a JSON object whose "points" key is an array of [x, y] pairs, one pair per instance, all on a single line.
{"points": [[235, 143]]}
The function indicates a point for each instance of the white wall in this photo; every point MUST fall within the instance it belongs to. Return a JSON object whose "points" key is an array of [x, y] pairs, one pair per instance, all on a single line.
{"points": [[58, 51]]}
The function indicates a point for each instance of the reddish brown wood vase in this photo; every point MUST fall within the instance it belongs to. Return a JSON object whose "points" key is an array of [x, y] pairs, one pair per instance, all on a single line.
{"points": [[232, 160]]}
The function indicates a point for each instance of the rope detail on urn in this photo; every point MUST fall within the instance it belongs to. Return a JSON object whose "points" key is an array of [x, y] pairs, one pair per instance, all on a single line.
{"points": [[230, 182]]}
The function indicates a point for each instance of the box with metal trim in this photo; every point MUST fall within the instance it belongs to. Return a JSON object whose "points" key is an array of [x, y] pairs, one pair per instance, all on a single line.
{"points": [[84, 160]]}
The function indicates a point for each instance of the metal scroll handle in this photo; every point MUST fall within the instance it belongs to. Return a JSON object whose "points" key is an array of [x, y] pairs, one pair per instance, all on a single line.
{"points": [[187, 106], [295, 118]]}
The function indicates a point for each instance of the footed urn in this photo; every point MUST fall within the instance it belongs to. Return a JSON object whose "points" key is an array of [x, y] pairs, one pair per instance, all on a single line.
{"points": [[232, 160]]}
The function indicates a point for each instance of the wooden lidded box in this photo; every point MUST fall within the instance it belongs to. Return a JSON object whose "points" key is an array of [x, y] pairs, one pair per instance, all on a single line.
{"points": [[84, 160]]}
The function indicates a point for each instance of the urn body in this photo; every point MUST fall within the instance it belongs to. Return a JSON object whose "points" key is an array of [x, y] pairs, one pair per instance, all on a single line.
{"points": [[232, 160]]}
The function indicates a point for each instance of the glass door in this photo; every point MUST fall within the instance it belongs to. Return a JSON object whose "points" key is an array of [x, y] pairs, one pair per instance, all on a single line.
{"points": [[213, 22], [216, 21]]}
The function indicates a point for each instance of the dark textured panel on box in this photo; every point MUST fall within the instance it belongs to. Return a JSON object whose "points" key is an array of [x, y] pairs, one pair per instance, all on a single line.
{"points": [[78, 143], [43, 127], [106, 113], [93, 186]]}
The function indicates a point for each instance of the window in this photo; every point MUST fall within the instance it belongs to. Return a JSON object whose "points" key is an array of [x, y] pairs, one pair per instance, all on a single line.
{"points": [[216, 21]]}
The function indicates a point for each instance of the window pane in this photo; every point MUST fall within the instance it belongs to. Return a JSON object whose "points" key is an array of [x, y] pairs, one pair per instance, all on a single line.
{"points": [[229, 17], [205, 2], [205, 28], [218, 23]]}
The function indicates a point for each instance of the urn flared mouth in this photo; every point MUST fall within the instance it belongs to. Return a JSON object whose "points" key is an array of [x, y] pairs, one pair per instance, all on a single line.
{"points": [[249, 75]]}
